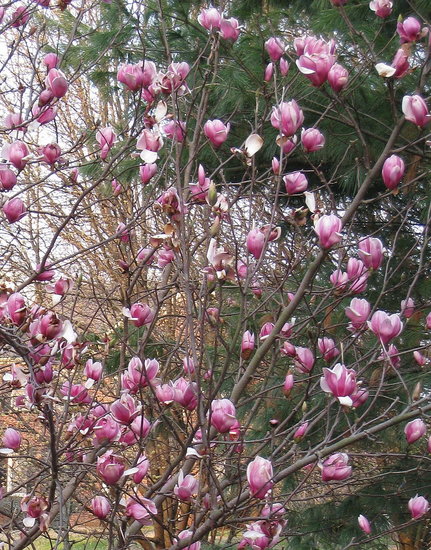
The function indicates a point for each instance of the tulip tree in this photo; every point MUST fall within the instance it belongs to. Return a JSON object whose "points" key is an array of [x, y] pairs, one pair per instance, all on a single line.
{"points": [[214, 314]]}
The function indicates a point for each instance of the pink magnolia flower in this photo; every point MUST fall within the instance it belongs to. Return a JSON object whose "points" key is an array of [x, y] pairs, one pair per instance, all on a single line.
{"points": [[364, 524], [140, 314], [358, 312], [304, 359], [20, 16], [7, 178], [124, 410], [419, 358], [266, 330], [173, 79], [327, 348], [106, 430], [269, 72], [16, 153], [12, 439], [100, 506], [382, 8], [186, 487], [139, 376], [210, 19], [312, 140], [185, 393], [51, 60], [295, 182], [56, 82], [131, 75], [50, 153], [199, 190], [147, 171], [93, 370], [284, 66], [256, 242], [140, 427], [339, 381], [328, 230], [222, 415], [141, 509], [301, 431], [287, 117], [400, 63], [414, 430], [105, 137], [110, 467], [416, 110], [14, 210], [418, 506], [141, 469], [247, 344], [409, 30], [176, 130], [275, 48], [316, 66], [165, 393], [230, 29], [216, 131], [44, 273], [407, 307], [338, 77], [288, 349], [259, 476], [385, 327], [188, 533], [428, 321], [288, 384], [371, 252], [336, 468], [15, 308]]}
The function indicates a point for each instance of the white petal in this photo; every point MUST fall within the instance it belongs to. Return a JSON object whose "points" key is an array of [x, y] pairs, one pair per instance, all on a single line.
{"points": [[89, 383], [131, 471], [385, 70], [149, 156], [160, 111], [252, 144], [6, 451], [29, 522], [345, 401], [192, 453], [310, 201], [68, 333]]}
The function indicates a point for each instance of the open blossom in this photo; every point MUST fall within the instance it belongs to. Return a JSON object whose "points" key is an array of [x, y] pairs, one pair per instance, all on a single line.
{"points": [[385, 327], [216, 131], [7, 178], [339, 381], [407, 307], [382, 8], [414, 430], [141, 509], [316, 66], [186, 487], [336, 468], [358, 312], [275, 48], [105, 137], [230, 29], [210, 19], [187, 534], [259, 476], [110, 467], [287, 117], [409, 30], [139, 314]]}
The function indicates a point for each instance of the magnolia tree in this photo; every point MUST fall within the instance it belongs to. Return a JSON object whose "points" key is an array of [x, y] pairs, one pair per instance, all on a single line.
{"points": [[215, 316]]}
